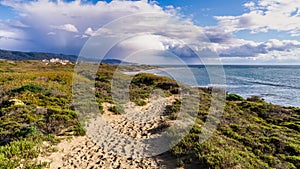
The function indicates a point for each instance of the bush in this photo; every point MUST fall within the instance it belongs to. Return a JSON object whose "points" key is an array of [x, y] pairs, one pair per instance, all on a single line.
{"points": [[117, 109], [140, 102], [23, 133], [79, 130], [255, 99], [234, 97], [31, 87]]}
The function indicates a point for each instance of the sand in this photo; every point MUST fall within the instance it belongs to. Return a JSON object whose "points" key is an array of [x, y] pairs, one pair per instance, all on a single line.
{"points": [[138, 124]]}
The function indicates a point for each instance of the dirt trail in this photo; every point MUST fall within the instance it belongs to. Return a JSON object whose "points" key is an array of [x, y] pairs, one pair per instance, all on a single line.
{"points": [[117, 151]]}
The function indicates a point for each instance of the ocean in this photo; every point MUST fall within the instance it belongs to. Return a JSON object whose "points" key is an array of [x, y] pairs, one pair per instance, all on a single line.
{"points": [[276, 84]]}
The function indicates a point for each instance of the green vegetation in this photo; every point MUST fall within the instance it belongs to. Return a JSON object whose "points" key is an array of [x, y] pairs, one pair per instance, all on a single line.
{"points": [[252, 134], [15, 55], [36, 105], [234, 97], [117, 109]]}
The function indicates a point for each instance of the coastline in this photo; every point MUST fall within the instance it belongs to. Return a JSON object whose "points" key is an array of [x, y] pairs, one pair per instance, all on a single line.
{"points": [[271, 91], [39, 100]]}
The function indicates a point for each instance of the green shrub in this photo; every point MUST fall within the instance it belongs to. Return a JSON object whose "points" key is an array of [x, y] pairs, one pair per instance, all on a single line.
{"points": [[23, 133], [234, 97], [117, 109], [30, 87], [24, 149], [140, 102], [79, 130], [255, 99]]}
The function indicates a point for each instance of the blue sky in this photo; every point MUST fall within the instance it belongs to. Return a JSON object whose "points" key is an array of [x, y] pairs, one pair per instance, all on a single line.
{"points": [[202, 12], [240, 32], [6, 12]]}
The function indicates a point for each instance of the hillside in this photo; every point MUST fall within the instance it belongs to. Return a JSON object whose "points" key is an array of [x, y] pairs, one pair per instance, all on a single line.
{"points": [[37, 112], [17, 55]]}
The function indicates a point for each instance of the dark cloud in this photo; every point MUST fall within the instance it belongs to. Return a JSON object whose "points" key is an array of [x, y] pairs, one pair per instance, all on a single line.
{"points": [[217, 35]]}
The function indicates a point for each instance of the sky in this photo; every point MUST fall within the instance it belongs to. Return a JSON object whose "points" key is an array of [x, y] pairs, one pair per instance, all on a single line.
{"points": [[236, 31]]}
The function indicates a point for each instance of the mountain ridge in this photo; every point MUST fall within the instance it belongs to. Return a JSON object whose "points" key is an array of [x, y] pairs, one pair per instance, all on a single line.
{"points": [[19, 55]]}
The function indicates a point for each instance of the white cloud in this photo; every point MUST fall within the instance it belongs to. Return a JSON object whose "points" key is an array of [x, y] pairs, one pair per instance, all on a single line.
{"points": [[265, 15], [51, 33], [149, 41], [43, 18], [249, 5], [8, 34], [89, 32], [172, 10], [253, 49], [17, 24], [66, 27], [165, 27], [292, 56], [272, 57]]}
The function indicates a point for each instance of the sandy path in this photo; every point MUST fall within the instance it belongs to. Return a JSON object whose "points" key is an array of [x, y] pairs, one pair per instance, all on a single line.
{"points": [[117, 151]]}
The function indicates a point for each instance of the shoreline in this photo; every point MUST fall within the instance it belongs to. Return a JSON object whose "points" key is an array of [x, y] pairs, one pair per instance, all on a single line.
{"points": [[276, 99]]}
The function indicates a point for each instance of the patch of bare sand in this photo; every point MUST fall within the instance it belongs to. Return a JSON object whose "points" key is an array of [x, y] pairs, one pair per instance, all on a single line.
{"points": [[83, 152]]}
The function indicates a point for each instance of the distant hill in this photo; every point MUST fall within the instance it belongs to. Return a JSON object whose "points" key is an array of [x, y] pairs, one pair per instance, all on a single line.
{"points": [[117, 62], [17, 55]]}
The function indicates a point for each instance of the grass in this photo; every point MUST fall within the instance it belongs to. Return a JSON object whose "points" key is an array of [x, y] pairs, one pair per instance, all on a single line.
{"points": [[22, 151], [249, 136], [36, 105]]}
